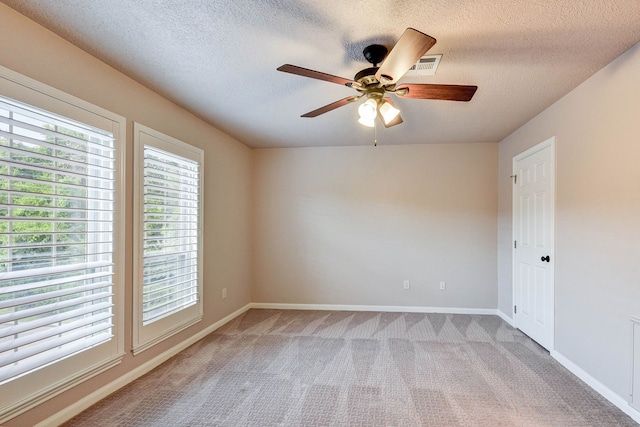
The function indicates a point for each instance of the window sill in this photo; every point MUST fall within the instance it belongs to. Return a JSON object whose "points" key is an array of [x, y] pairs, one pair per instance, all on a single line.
{"points": [[140, 347], [41, 396]]}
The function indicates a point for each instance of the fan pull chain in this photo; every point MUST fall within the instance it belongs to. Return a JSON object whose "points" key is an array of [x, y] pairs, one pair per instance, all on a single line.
{"points": [[375, 134]]}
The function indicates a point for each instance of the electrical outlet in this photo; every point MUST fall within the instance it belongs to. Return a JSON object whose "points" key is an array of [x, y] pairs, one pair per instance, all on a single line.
{"points": [[224, 293], [406, 284], [443, 285]]}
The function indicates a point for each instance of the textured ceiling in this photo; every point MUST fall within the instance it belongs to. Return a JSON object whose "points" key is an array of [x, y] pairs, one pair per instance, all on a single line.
{"points": [[218, 59]]}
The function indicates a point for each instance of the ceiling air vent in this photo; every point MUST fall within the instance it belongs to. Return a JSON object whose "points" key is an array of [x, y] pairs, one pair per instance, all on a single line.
{"points": [[426, 66]]}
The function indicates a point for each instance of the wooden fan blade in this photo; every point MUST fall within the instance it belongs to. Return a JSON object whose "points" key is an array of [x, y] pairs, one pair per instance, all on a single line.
{"points": [[396, 121], [433, 91], [411, 46], [305, 72], [332, 106]]}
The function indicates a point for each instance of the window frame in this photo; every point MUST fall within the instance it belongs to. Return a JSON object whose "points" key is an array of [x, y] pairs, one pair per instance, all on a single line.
{"points": [[31, 389], [146, 336]]}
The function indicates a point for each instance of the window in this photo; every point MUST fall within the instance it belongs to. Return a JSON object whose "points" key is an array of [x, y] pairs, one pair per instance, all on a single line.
{"points": [[58, 283], [168, 211]]}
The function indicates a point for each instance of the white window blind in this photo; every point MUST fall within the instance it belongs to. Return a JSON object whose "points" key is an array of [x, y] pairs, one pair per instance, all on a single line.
{"points": [[56, 238], [170, 234]]}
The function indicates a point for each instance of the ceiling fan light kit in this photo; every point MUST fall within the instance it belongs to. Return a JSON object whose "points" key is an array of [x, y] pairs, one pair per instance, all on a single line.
{"points": [[374, 82], [367, 121], [388, 112], [368, 109]]}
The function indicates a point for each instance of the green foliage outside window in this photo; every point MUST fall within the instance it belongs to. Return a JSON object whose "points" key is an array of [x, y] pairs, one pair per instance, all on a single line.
{"points": [[29, 196]]}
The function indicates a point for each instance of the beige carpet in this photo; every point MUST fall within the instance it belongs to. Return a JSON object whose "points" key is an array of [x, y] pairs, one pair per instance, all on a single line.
{"points": [[320, 368]]}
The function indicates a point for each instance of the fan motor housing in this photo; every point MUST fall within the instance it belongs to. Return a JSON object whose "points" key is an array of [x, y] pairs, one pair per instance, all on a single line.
{"points": [[367, 76]]}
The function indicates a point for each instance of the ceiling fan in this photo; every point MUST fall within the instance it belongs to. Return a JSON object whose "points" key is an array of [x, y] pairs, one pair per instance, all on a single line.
{"points": [[375, 82]]}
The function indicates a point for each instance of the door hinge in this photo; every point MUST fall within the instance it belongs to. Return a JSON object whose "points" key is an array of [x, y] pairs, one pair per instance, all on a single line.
{"points": [[515, 309], [515, 178], [515, 244]]}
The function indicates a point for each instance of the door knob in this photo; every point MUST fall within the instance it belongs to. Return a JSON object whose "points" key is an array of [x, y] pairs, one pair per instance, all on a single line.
{"points": [[545, 258]]}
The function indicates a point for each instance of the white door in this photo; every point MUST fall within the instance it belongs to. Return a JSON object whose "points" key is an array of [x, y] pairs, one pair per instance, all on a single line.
{"points": [[533, 247]]}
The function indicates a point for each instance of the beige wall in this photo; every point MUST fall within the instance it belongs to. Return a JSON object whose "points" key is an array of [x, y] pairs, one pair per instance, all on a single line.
{"points": [[346, 225], [597, 287], [32, 51]]}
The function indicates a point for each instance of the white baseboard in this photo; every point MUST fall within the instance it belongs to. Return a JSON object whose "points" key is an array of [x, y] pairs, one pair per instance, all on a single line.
{"points": [[93, 398], [605, 391], [386, 308], [506, 318]]}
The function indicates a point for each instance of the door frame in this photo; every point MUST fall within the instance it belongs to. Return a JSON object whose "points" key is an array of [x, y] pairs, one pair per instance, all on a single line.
{"points": [[550, 142]]}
